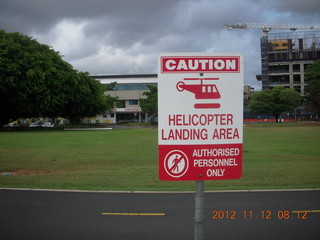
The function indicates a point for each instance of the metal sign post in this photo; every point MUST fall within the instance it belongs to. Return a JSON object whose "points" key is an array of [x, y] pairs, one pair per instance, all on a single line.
{"points": [[200, 120], [199, 210]]}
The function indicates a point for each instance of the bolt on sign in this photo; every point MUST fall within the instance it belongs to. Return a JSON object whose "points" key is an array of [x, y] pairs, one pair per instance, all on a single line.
{"points": [[200, 116]]}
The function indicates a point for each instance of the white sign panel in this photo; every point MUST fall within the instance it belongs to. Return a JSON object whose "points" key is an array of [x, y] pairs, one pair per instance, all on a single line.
{"points": [[200, 116]]}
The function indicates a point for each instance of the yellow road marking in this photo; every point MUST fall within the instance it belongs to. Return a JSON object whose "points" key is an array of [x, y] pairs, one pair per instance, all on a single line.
{"points": [[308, 211], [133, 214]]}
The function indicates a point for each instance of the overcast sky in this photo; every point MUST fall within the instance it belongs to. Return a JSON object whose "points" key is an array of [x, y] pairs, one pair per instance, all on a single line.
{"points": [[127, 36]]}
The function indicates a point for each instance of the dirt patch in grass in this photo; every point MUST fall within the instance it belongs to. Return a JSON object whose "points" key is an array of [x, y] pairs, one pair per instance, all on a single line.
{"points": [[23, 172]]}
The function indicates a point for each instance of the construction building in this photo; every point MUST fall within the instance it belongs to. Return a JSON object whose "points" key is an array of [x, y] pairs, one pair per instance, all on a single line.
{"points": [[285, 57]]}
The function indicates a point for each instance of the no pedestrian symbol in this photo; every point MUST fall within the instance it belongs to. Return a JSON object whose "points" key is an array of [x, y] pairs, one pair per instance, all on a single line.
{"points": [[176, 163]]}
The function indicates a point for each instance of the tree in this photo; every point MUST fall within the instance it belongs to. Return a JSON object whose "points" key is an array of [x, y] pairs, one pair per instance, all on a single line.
{"points": [[150, 104], [110, 101], [36, 82], [313, 88], [274, 101], [86, 98]]}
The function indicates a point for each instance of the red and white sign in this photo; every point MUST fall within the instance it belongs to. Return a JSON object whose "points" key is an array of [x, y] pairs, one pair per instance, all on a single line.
{"points": [[200, 116]]}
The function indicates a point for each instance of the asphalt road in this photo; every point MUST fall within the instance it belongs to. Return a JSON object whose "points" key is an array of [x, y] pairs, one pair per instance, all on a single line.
{"points": [[48, 215]]}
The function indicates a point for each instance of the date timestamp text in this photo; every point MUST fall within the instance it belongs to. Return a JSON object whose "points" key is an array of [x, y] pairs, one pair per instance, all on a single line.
{"points": [[265, 214]]}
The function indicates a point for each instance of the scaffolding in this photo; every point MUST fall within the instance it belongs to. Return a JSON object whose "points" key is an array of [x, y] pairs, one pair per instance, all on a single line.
{"points": [[285, 55], [292, 46], [299, 40]]}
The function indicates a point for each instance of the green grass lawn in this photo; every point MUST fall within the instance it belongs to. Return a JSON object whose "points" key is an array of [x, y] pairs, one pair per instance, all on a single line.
{"points": [[276, 156]]}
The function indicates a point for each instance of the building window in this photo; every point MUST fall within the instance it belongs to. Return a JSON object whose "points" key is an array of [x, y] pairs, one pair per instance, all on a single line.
{"points": [[297, 79], [280, 68], [279, 79], [296, 67], [133, 86], [133, 102]]}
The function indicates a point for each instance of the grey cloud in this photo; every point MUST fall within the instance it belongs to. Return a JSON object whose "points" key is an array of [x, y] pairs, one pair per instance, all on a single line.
{"points": [[298, 6], [116, 35], [39, 15], [292, 7]]}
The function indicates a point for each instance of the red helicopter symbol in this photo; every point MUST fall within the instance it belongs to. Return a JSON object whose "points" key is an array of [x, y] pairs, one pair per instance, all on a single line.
{"points": [[201, 91]]}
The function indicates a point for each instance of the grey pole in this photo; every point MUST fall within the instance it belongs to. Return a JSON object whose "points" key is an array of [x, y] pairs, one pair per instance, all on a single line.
{"points": [[199, 210]]}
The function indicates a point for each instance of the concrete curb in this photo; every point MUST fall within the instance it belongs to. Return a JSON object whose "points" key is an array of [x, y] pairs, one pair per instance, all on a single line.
{"points": [[162, 192]]}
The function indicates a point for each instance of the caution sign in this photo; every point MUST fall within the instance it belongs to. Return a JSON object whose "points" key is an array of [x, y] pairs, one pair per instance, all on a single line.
{"points": [[200, 116]]}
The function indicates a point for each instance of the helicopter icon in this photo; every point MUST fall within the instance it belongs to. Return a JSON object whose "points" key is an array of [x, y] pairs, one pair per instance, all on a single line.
{"points": [[201, 91]]}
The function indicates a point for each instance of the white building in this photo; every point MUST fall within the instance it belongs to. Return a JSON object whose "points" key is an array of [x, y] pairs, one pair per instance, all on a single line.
{"points": [[129, 90]]}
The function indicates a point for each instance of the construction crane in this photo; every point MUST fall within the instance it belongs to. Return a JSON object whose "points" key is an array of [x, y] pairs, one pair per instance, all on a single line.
{"points": [[282, 49], [267, 27]]}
